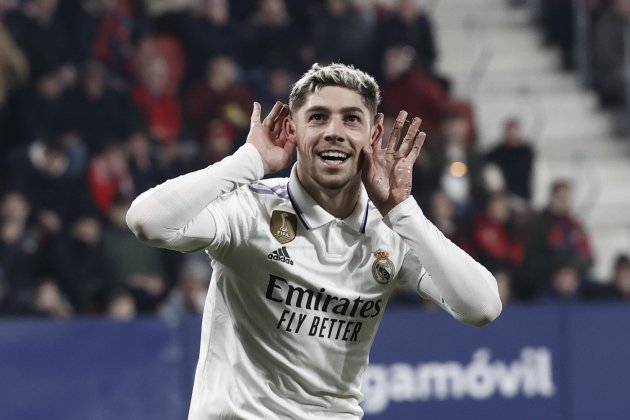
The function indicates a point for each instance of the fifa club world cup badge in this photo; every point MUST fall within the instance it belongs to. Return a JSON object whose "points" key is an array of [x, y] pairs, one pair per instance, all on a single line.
{"points": [[283, 226], [383, 268]]}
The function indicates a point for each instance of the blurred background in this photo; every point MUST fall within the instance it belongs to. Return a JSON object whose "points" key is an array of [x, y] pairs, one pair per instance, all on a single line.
{"points": [[526, 104]]}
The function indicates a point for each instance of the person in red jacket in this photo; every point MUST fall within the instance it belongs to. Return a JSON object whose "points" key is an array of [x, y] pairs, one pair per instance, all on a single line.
{"points": [[497, 241], [407, 86], [555, 238]]}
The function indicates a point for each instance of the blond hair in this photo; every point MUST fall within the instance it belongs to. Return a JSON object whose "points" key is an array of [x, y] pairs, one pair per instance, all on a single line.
{"points": [[336, 74]]}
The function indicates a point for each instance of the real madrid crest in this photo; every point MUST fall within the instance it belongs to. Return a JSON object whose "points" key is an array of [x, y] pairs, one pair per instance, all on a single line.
{"points": [[283, 226], [383, 268]]}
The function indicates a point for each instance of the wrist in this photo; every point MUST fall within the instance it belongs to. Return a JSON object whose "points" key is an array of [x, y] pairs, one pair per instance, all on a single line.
{"points": [[401, 209], [252, 153], [385, 207], [392, 201]]}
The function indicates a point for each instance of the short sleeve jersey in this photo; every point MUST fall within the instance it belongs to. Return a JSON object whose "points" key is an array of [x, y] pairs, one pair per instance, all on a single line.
{"points": [[294, 304]]}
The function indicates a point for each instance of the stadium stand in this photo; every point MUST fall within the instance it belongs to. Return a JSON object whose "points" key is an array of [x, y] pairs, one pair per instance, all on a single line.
{"points": [[100, 100]]}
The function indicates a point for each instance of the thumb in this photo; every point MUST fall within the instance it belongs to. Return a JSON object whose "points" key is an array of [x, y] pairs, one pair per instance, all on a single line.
{"points": [[255, 114]]}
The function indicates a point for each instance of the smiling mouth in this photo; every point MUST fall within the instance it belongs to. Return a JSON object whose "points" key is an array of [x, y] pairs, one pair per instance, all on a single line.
{"points": [[334, 157]]}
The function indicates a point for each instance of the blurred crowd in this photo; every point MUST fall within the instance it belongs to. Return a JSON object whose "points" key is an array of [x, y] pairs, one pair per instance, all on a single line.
{"points": [[103, 99], [591, 38]]}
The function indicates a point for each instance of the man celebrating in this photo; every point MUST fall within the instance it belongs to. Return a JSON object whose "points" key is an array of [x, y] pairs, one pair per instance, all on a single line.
{"points": [[304, 266]]}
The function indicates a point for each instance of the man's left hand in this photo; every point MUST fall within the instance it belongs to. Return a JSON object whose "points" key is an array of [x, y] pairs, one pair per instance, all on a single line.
{"points": [[386, 172]]}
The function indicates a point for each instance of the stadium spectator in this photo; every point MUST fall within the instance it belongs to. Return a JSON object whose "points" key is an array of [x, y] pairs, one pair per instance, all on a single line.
{"points": [[5, 302], [221, 96], [100, 112], [144, 165], [14, 74], [557, 20], [504, 283], [155, 94], [44, 39], [135, 267], [555, 238], [618, 286], [109, 176], [42, 173], [18, 249], [121, 306], [515, 158], [276, 40], [566, 284], [458, 163], [81, 266], [409, 24], [111, 30], [441, 212], [496, 238], [42, 108], [621, 277], [406, 86], [189, 294], [218, 143], [49, 301], [209, 32], [276, 87], [608, 53], [339, 33]]}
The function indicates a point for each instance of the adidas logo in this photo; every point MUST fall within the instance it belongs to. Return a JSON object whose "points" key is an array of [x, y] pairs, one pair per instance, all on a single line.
{"points": [[281, 255]]}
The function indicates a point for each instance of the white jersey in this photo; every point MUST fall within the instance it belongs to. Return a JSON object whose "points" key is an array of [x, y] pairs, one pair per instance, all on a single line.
{"points": [[297, 294], [295, 301]]}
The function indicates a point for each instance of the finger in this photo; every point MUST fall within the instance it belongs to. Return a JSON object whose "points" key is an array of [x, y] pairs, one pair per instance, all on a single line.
{"points": [[273, 114], [255, 114], [417, 146], [392, 143], [408, 142]]}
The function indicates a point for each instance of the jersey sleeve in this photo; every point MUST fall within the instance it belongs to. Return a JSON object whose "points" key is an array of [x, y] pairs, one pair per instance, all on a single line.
{"points": [[453, 279], [177, 214], [412, 273], [234, 215]]}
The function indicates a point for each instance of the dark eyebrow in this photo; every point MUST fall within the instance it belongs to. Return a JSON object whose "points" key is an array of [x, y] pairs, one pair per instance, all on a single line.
{"points": [[317, 108], [351, 110], [326, 110]]}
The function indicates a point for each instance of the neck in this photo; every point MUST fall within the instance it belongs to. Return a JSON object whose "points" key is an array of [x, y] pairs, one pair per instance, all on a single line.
{"points": [[340, 202]]}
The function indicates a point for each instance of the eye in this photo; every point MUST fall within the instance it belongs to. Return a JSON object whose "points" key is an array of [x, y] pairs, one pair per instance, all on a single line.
{"points": [[316, 117], [353, 118]]}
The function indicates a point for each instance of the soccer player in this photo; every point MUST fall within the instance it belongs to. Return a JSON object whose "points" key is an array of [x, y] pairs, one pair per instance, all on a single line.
{"points": [[304, 266]]}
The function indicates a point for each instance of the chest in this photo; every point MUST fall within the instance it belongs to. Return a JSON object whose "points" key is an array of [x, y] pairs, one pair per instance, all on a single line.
{"points": [[333, 257]]}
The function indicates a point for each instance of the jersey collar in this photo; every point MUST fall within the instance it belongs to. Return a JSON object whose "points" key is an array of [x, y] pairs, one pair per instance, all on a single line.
{"points": [[312, 215]]}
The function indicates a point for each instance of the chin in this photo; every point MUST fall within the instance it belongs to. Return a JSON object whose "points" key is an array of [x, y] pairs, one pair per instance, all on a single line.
{"points": [[336, 182]]}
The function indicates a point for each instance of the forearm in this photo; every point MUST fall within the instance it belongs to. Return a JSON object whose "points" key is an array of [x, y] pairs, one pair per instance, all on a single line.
{"points": [[456, 281], [160, 215]]}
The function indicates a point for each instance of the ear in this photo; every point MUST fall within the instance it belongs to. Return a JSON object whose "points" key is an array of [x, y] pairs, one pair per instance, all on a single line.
{"points": [[290, 128], [377, 130]]}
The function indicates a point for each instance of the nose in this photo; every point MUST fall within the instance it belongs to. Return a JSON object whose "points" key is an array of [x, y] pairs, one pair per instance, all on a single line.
{"points": [[334, 130]]}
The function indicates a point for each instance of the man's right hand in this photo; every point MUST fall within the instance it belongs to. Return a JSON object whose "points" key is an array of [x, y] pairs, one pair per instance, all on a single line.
{"points": [[270, 138]]}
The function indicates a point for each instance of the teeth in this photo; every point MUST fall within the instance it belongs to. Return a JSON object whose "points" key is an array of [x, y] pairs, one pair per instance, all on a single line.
{"points": [[334, 155]]}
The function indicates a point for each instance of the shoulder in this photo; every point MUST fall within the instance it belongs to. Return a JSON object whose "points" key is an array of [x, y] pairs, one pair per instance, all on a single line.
{"points": [[252, 199], [271, 188], [376, 227]]}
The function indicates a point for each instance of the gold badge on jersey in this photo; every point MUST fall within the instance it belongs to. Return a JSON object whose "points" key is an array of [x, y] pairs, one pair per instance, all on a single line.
{"points": [[383, 268], [283, 226]]}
